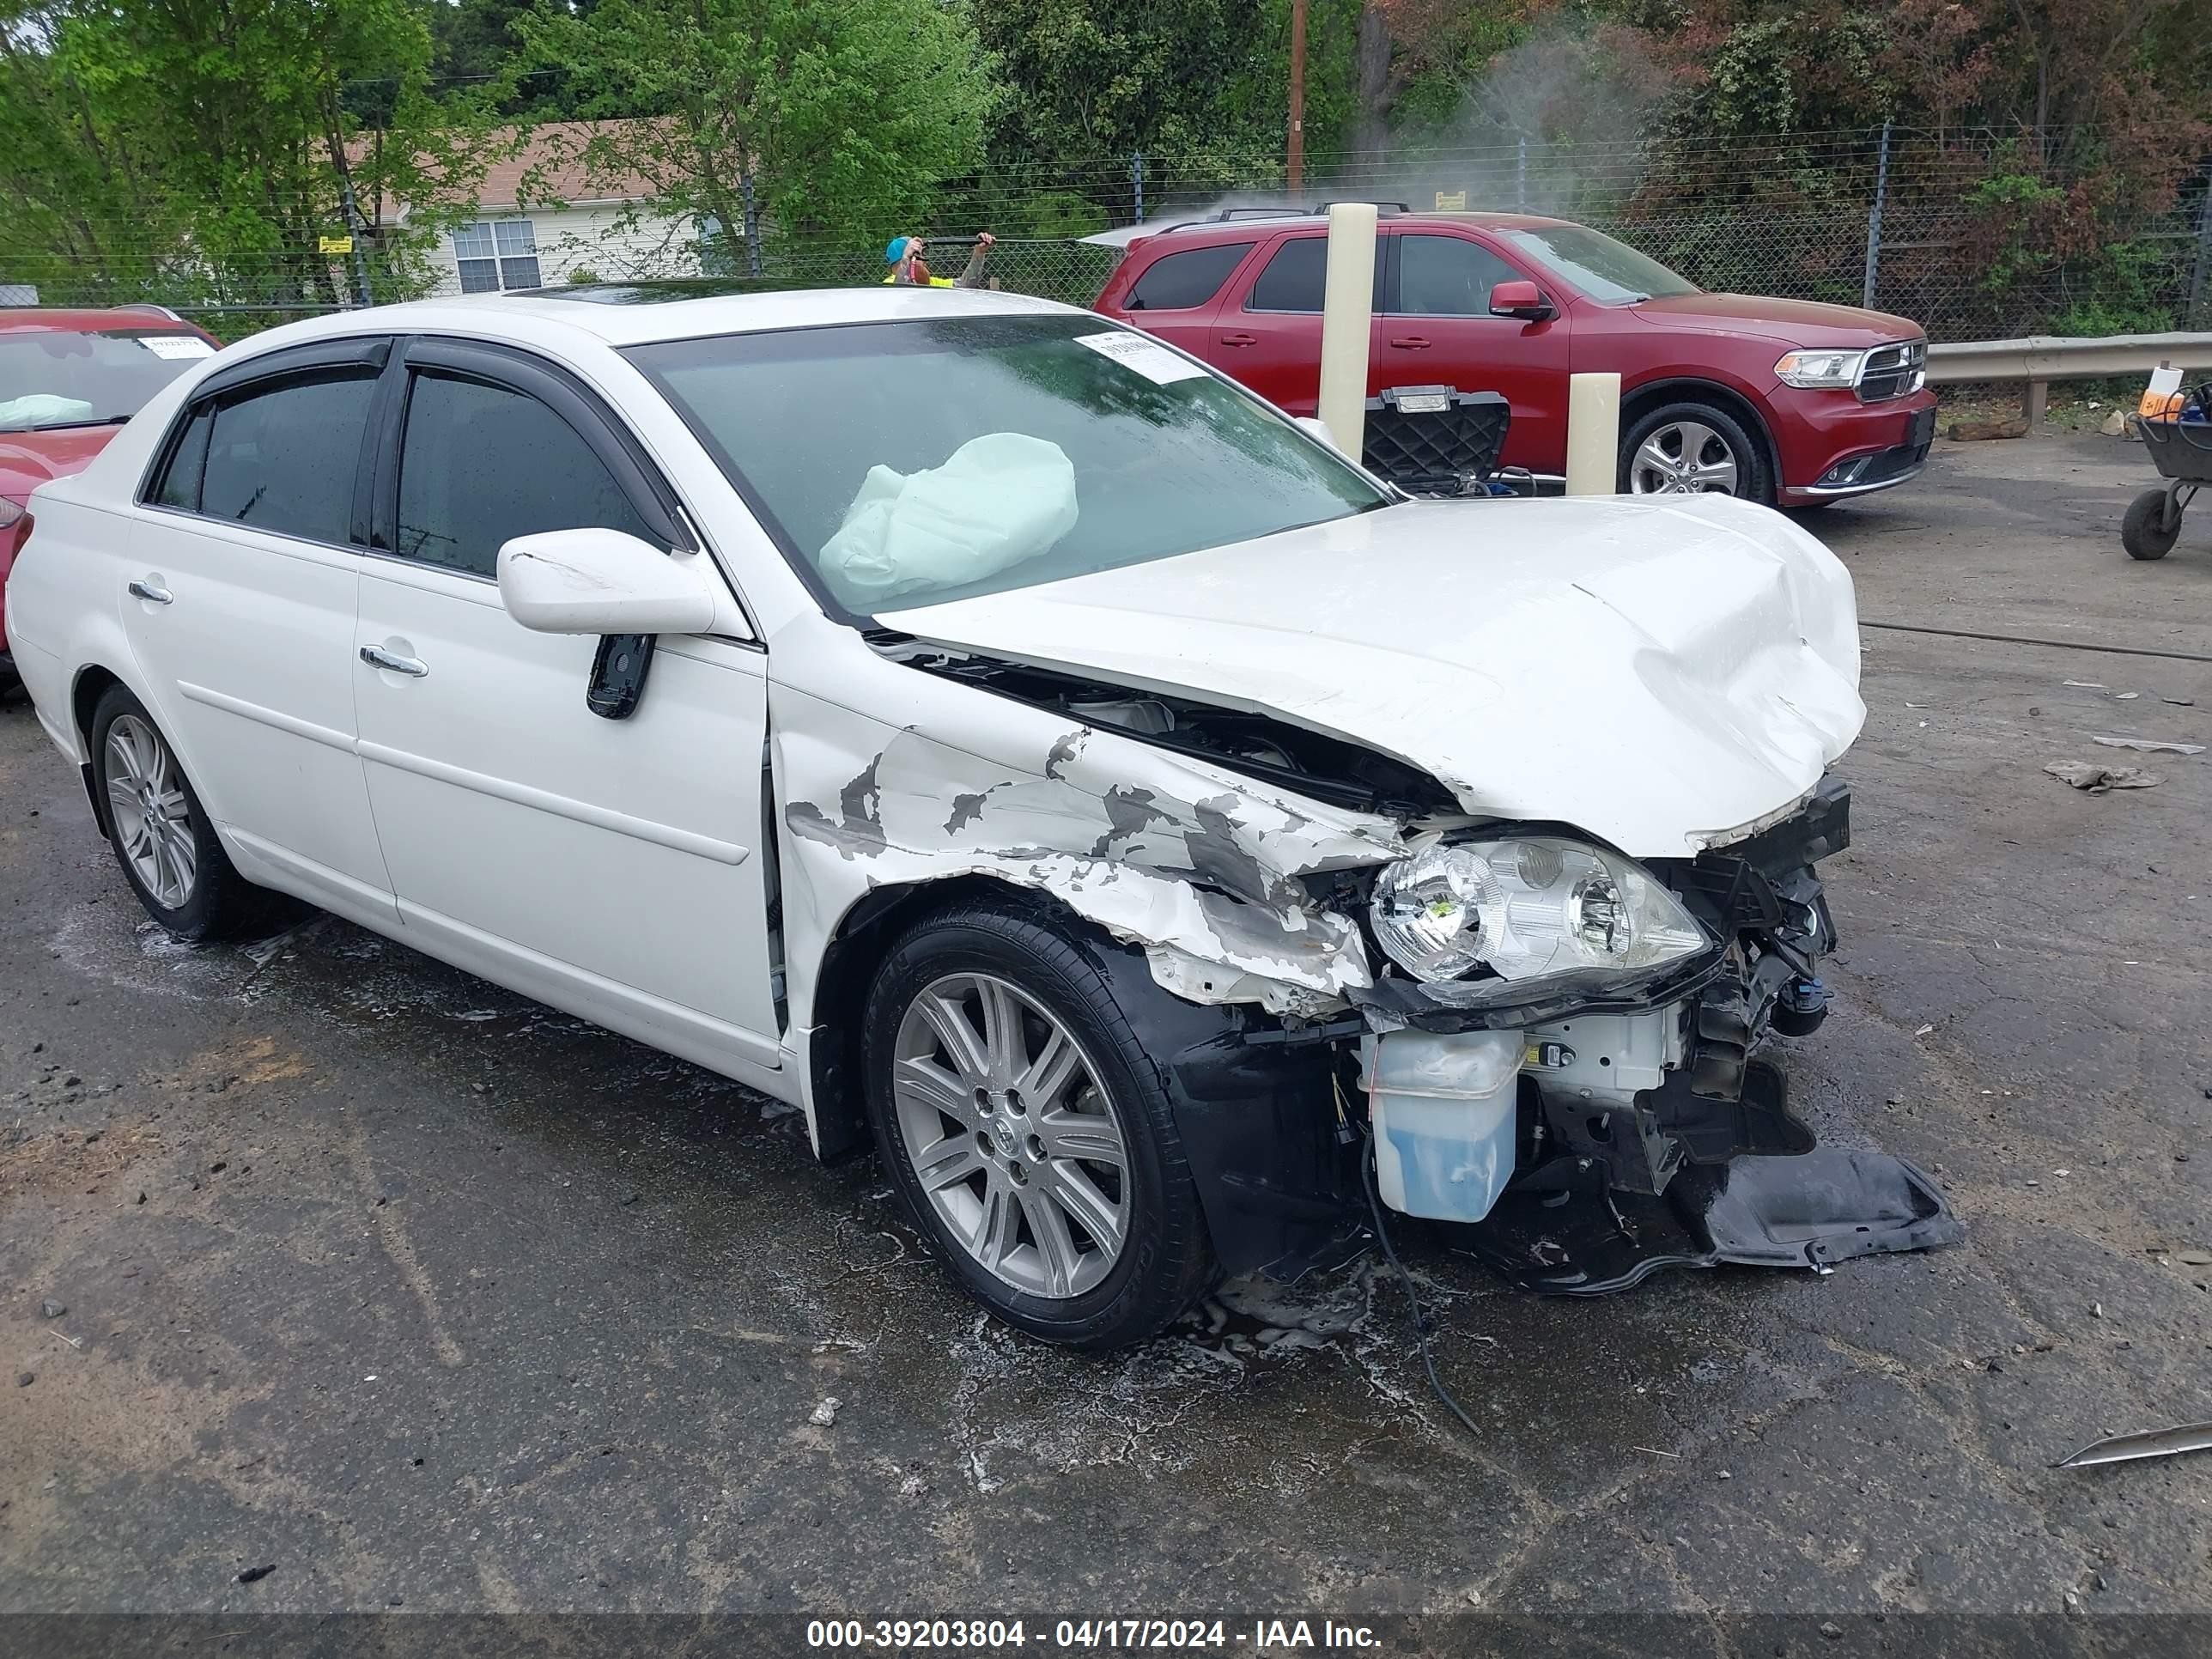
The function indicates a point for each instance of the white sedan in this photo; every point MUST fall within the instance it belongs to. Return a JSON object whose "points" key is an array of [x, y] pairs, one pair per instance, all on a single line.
{"points": [[1001, 736]]}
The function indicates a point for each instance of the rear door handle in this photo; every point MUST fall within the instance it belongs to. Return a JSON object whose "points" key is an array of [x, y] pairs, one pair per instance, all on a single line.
{"points": [[1240, 339], [377, 657], [1410, 342], [152, 592]]}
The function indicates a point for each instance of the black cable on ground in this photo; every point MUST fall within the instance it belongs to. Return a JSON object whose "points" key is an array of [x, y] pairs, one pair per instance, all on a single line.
{"points": [[1412, 1296], [2023, 639]]}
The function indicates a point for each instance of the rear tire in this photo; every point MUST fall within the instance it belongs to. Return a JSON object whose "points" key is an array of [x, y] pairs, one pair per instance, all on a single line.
{"points": [[2144, 530], [1026, 1130], [169, 851], [1693, 448]]}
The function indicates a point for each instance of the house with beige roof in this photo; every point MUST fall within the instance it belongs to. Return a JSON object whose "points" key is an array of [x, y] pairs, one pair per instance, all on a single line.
{"points": [[543, 219]]}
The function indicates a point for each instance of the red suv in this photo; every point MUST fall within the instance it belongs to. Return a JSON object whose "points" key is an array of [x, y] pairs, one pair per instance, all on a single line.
{"points": [[68, 380], [1779, 400]]}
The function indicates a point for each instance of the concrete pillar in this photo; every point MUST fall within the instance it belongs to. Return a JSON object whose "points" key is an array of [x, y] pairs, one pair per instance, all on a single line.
{"points": [[1593, 435], [1347, 318]]}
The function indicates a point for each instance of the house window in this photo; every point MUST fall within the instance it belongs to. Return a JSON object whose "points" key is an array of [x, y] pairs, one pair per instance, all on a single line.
{"points": [[496, 253]]}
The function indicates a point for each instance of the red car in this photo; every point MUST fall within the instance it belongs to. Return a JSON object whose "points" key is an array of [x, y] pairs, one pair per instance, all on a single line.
{"points": [[1784, 401], [68, 380]]}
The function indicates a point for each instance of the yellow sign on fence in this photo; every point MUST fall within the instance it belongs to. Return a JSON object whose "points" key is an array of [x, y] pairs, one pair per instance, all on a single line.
{"points": [[1451, 201], [334, 245]]}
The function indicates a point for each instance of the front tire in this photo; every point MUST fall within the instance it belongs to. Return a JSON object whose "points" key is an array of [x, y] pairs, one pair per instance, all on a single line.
{"points": [[1025, 1129], [169, 849], [1693, 449], [2145, 530]]}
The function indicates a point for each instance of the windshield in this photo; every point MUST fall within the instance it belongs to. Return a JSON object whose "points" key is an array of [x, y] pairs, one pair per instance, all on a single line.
{"points": [[49, 377], [1612, 273], [903, 464]]}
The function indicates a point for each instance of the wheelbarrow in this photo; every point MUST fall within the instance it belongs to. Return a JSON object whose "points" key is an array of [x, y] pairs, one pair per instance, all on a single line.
{"points": [[2180, 444]]}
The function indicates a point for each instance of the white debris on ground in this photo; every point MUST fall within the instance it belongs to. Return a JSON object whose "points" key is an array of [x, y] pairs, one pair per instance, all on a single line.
{"points": [[1021, 1408]]}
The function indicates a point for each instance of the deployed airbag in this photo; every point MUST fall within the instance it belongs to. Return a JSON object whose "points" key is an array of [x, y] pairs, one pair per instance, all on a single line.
{"points": [[42, 409], [998, 498]]}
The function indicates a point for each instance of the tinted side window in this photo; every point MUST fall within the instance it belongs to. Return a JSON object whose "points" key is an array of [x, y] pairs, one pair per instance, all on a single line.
{"points": [[1296, 276], [481, 464], [283, 458], [180, 480], [1180, 280], [1447, 277]]}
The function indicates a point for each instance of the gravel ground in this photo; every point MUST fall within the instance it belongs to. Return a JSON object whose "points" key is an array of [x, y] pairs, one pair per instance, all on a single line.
{"points": [[423, 1295]]}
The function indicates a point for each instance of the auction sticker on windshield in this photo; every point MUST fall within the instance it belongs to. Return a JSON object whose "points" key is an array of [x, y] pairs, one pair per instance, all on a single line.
{"points": [[175, 345], [1148, 357]]}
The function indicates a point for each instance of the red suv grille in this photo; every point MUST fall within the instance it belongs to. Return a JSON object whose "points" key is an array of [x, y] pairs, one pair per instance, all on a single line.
{"points": [[1892, 371]]}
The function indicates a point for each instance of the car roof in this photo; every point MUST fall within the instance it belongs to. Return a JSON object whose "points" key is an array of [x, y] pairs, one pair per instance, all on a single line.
{"points": [[1233, 224], [638, 313], [84, 320]]}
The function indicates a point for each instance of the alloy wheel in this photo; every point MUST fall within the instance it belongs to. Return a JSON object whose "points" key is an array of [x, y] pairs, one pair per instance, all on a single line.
{"points": [[1011, 1136], [1683, 458], [146, 804]]}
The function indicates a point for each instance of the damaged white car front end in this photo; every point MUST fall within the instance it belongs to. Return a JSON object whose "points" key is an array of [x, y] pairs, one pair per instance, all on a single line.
{"points": [[1478, 839], [1519, 842], [1059, 771]]}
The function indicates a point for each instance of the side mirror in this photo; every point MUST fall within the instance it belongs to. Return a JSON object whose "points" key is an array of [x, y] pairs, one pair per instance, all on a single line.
{"points": [[1523, 300], [601, 582]]}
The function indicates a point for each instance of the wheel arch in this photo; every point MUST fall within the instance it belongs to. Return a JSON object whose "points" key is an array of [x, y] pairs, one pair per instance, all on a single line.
{"points": [[856, 947], [92, 683], [1253, 1098], [1687, 388]]}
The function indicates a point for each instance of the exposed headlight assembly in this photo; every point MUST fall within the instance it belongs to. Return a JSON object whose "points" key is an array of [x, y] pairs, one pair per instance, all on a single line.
{"points": [[1526, 907], [1820, 370]]}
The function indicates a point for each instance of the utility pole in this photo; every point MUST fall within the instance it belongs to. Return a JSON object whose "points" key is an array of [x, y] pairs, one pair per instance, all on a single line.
{"points": [[1873, 222], [356, 233], [1297, 168]]}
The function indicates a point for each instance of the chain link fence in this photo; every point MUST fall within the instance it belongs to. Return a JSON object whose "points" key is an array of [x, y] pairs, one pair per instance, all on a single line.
{"points": [[1973, 236]]}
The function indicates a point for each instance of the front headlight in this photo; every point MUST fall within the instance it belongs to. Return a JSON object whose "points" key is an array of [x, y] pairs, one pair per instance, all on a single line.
{"points": [[1820, 370], [1526, 907]]}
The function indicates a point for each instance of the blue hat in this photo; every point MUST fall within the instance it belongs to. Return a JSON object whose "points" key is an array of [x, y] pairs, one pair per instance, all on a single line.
{"points": [[896, 251]]}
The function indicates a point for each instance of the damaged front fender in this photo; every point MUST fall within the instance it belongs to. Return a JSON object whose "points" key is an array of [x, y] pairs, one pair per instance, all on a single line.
{"points": [[1202, 870]]}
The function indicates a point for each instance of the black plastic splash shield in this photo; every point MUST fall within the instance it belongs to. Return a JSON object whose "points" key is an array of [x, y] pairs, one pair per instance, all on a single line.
{"points": [[1805, 1210]]}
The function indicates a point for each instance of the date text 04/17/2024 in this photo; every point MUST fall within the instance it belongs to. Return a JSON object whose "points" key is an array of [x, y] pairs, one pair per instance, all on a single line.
{"points": [[1090, 1634]]}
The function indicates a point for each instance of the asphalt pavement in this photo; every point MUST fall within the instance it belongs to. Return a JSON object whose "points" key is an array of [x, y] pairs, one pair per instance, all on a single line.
{"points": [[421, 1295]]}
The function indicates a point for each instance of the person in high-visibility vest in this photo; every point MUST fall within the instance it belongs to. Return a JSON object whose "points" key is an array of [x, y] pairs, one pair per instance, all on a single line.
{"points": [[910, 270]]}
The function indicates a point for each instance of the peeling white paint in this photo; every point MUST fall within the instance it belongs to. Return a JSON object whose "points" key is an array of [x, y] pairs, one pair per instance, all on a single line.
{"points": [[1193, 863]]}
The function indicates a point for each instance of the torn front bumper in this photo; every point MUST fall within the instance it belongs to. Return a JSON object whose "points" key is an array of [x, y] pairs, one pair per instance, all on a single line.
{"points": [[1631, 1128]]}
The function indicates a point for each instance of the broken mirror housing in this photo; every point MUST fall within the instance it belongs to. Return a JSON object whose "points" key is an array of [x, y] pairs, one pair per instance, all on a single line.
{"points": [[1524, 907]]}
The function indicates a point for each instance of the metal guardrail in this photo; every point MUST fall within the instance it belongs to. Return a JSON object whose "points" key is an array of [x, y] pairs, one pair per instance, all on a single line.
{"points": [[2040, 359], [2043, 357]]}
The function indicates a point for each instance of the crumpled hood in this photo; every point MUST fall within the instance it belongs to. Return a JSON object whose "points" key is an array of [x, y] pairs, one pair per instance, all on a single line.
{"points": [[1661, 674]]}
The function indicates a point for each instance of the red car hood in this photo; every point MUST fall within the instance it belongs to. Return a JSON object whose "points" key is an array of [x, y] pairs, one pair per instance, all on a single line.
{"points": [[1792, 322], [27, 459]]}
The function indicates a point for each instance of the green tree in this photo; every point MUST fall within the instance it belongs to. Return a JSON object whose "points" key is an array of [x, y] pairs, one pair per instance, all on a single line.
{"points": [[841, 119], [1094, 82], [473, 42], [154, 150]]}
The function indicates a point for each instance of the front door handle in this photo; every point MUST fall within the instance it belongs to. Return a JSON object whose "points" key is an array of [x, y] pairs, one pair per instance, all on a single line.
{"points": [[1240, 339], [377, 657], [152, 592], [1410, 342]]}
